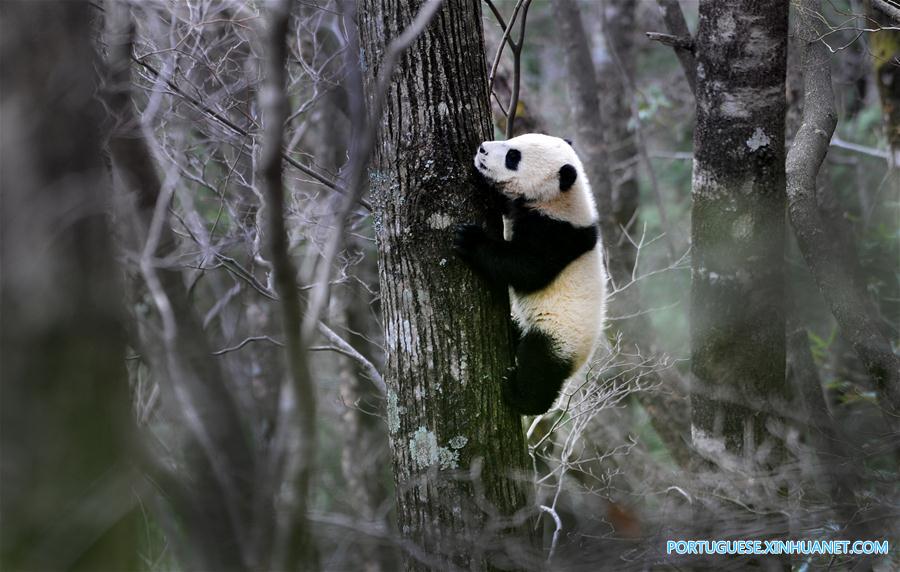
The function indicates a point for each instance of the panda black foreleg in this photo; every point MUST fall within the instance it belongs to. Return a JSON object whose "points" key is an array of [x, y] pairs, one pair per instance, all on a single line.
{"points": [[539, 375], [480, 252], [515, 331], [503, 263]]}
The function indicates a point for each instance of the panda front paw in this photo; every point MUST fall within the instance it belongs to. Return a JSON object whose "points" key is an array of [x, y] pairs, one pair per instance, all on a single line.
{"points": [[466, 240]]}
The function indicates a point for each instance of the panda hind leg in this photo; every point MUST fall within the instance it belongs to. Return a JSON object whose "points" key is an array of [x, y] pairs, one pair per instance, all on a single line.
{"points": [[539, 375]]}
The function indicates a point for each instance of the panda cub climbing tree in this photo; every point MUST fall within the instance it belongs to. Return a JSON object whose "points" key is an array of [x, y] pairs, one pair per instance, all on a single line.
{"points": [[550, 259]]}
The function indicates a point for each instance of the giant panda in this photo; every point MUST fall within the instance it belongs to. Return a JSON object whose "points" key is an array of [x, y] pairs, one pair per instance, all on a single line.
{"points": [[550, 258]]}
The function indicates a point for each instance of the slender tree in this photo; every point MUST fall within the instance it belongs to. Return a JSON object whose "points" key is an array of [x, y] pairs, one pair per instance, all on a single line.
{"points": [[737, 314], [447, 338], [614, 72], [667, 410], [832, 263]]}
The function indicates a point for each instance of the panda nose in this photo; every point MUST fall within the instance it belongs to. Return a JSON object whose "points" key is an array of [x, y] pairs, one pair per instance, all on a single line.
{"points": [[482, 150]]}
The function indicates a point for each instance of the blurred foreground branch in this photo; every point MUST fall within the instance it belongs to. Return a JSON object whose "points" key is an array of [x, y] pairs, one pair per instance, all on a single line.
{"points": [[66, 433]]}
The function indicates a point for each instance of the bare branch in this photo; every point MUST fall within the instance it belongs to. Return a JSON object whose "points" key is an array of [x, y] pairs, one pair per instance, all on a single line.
{"points": [[348, 350], [558, 523], [668, 413], [246, 341], [862, 149], [499, 17], [681, 42], [888, 8], [517, 72], [681, 39], [507, 30], [178, 354], [215, 115], [642, 145]]}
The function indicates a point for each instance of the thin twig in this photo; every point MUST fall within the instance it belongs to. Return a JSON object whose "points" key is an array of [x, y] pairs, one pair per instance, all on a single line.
{"points": [[246, 341], [177, 353], [212, 113], [517, 73], [558, 522], [345, 348], [503, 40], [681, 42], [499, 17], [628, 81], [856, 147]]}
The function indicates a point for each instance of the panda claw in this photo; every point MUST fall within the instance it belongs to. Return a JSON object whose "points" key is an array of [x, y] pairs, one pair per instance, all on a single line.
{"points": [[466, 238]]}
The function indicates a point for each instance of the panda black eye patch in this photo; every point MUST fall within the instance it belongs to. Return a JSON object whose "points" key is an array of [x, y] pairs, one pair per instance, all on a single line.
{"points": [[513, 156], [567, 176]]}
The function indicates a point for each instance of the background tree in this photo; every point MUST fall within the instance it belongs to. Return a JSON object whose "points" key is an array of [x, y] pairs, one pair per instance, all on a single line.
{"points": [[737, 226], [667, 409]]}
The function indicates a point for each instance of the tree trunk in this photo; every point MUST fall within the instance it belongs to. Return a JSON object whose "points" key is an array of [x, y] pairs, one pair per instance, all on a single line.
{"points": [[66, 425], [737, 314], [446, 337]]}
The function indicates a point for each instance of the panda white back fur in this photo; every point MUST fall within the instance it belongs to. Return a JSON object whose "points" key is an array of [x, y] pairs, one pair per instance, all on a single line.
{"points": [[551, 259]]}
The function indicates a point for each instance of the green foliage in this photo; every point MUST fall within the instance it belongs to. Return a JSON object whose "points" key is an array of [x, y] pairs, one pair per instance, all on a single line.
{"points": [[864, 127], [154, 550], [820, 346], [653, 99]]}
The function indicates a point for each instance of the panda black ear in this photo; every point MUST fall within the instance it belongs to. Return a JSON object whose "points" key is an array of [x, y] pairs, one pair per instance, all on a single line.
{"points": [[569, 141], [567, 176]]}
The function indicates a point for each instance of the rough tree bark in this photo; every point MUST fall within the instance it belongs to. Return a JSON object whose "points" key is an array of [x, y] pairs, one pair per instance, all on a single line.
{"points": [[737, 314], [668, 412], [447, 339], [64, 404]]}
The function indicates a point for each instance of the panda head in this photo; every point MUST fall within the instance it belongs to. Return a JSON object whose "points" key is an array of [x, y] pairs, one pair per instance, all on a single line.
{"points": [[532, 167]]}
